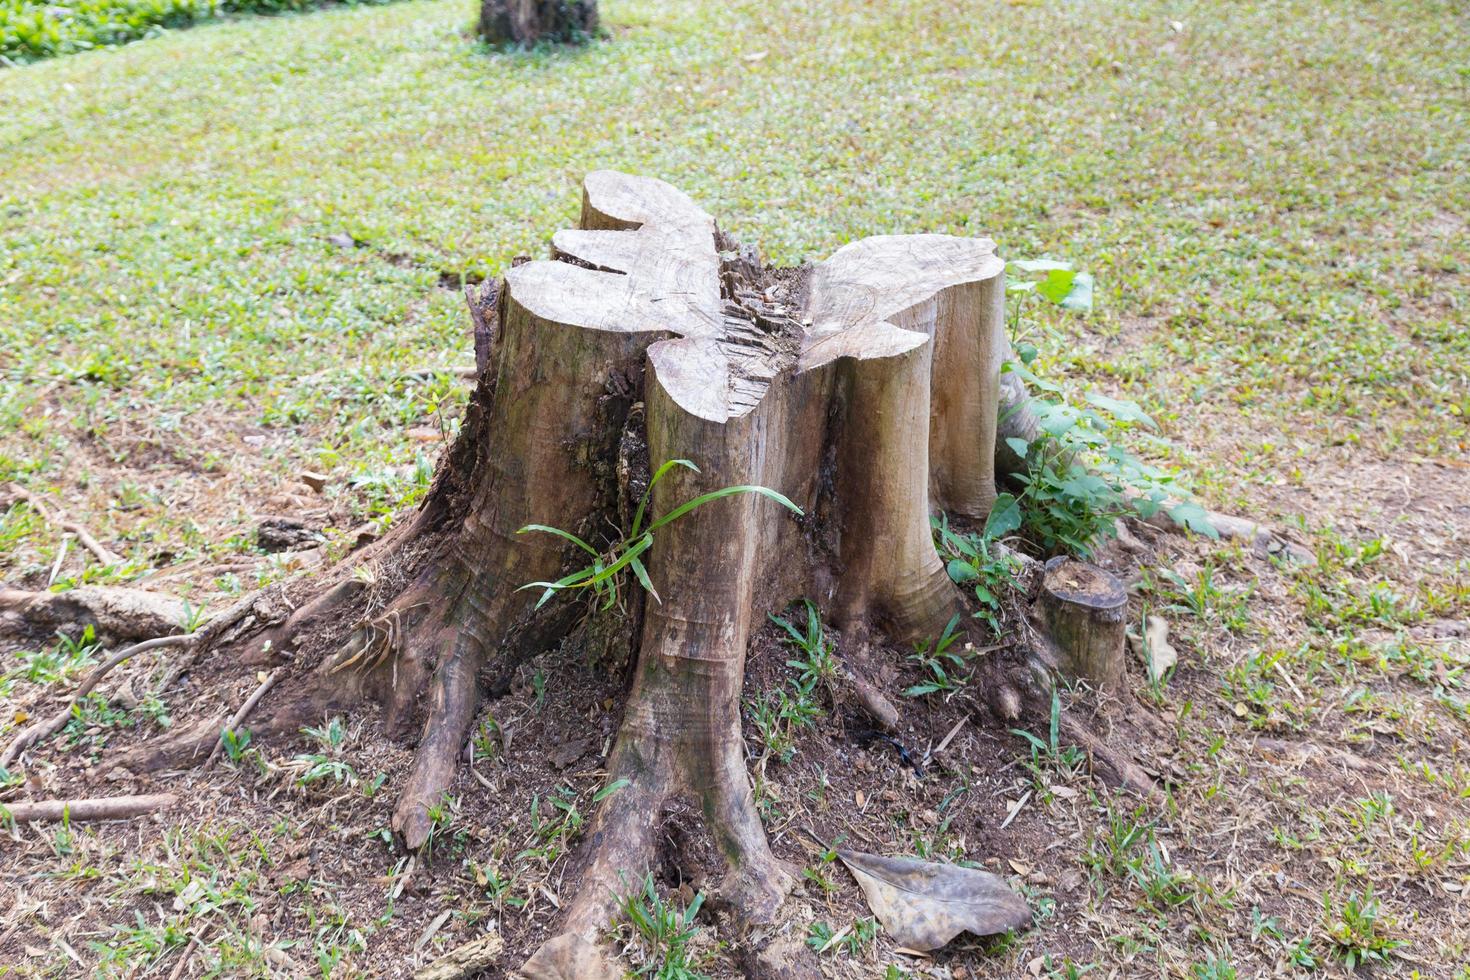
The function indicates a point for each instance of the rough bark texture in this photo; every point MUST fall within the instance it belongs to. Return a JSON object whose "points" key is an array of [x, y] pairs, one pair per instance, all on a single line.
{"points": [[528, 21]]}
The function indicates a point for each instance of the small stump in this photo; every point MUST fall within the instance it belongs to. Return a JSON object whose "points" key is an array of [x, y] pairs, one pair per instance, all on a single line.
{"points": [[1084, 611]]}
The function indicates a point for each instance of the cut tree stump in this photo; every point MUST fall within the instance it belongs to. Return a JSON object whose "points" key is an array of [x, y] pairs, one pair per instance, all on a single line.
{"points": [[866, 389], [1084, 610]]}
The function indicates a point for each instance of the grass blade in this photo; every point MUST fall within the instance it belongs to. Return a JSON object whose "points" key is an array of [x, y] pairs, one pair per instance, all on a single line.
{"points": [[705, 498]]}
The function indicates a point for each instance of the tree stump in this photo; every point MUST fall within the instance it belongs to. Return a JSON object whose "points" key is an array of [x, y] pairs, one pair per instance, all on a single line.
{"points": [[1085, 610], [865, 389], [525, 22]]}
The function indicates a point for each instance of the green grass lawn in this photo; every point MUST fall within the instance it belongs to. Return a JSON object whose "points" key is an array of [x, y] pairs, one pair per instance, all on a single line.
{"points": [[1271, 196]]}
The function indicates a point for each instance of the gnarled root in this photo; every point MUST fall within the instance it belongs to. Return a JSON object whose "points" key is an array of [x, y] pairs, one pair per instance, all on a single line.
{"points": [[453, 698], [622, 844]]}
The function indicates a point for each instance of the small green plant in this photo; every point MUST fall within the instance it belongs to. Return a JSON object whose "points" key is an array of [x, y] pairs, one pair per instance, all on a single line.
{"points": [[1357, 931], [327, 764], [486, 739], [1115, 851], [819, 874], [236, 741], [1206, 600], [62, 842], [659, 934], [1078, 478], [1068, 969], [49, 666], [555, 821], [500, 889], [818, 664], [853, 940], [193, 617], [973, 559], [604, 573], [1213, 968], [1051, 753], [942, 664], [777, 714], [441, 817]]}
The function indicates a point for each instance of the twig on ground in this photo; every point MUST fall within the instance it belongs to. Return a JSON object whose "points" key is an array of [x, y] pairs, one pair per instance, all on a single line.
{"points": [[45, 729], [100, 808], [104, 555], [183, 962], [240, 717]]}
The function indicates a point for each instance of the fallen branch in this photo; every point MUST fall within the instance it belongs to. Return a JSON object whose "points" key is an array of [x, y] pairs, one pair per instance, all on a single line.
{"points": [[45, 729], [103, 554], [102, 808], [112, 611], [240, 717], [465, 960]]}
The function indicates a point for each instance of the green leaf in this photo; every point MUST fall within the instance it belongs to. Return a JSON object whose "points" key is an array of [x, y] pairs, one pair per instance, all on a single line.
{"points": [[962, 571], [1079, 298], [668, 464], [1030, 378], [1122, 409], [642, 574], [1018, 445], [568, 535], [703, 499], [609, 790], [1057, 285], [1005, 517]]}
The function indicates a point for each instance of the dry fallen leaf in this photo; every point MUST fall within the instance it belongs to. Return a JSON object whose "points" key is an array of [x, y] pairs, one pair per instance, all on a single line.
{"points": [[569, 957], [924, 905], [1153, 647]]}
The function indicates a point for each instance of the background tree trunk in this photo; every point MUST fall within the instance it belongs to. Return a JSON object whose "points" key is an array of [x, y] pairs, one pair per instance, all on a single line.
{"points": [[528, 21]]}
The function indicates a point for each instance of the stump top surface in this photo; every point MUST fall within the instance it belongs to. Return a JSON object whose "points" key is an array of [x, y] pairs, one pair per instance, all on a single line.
{"points": [[646, 260], [1083, 583]]}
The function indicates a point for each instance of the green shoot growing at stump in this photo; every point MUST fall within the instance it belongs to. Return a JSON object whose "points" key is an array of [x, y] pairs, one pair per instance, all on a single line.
{"points": [[603, 575]]}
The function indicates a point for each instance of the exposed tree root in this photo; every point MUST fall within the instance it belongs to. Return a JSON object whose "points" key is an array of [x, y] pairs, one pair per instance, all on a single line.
{"points": [[127, 601], [454, 697], [1265, 540], [464, 961], [239, 717]]}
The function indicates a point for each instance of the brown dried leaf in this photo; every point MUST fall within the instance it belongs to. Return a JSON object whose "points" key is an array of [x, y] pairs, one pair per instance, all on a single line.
{"points": [[924, 905], [569, 957]]}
